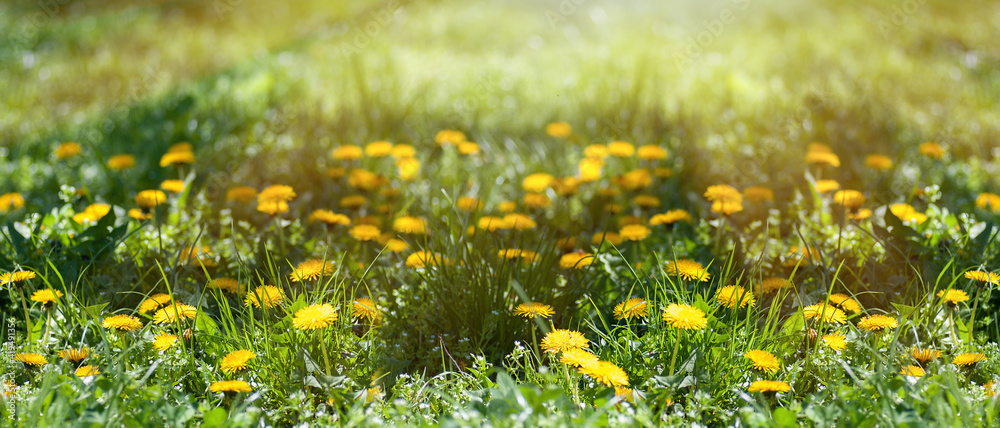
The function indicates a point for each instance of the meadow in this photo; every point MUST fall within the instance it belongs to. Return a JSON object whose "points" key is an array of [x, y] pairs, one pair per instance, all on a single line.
{"points": [[557, 213]]}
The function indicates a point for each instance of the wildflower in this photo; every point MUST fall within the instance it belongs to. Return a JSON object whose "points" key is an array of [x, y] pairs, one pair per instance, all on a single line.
{"points": [[68, 150], [154, 302], [230, 386], [266, 296], [176, 158], [407, 224], [518, 221], [174, 312], [878, 162], [75, 356], [907, 213], [953, 296], [826, 186], [449, 136], [733, 296], [577, 260], [174, 186], [601, 237], [14, 277], [46, 296], [835, 341], [968, 360], [988, 389], [164, 341], [236, 361], [242, 194], [396, 245], [687, 269], [346, 152], [912, 370], [536, 200], [627, 394], [92, 213], [85, 371], [147, 199], [758, 194], [606, 372], [378, 149], [768, 386], [328, 217], [121, 162], [558, 129], [772, 284], [365, 308], [925, 355], [877, 322], [560, 340], [311, 270], [590, 169], [621, 149], [122, 323], [578, 358], [274, 199], [670, 217], [315, 317], [932, 150], [468, 203], [983, 201], [363, 179], [421, 259], [31, 359], [725, 199], [846, 303], [860, 214], [763, 361], [635, 180], [850, 199], [365, 232], [10, 202], [534, 309], [652, 152], [227, 284], [493, 223], [822, 158], [468, 148], [827, 314], [634, 232], [988, 277], [801, 255], [684, 317], [632, 308], [646, 201]]}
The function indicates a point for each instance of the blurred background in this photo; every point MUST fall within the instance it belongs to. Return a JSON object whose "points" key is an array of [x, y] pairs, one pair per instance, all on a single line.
{"points": [[736, 88]]}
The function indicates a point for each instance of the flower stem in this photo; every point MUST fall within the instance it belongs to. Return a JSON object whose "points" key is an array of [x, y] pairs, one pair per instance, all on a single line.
{"points": [[27, 320], [677, 345], [572, 385], [326, 358]]}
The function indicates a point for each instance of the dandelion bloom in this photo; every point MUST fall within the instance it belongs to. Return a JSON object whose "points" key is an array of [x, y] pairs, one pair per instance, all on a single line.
{"points": [[595, 151], [634, 232], [328, 217], [536, 200], [85, 371], [378, 149], [122, 323], [31, 359], [988, 277], [835, 341], [559, 129], [315, 317], [770, 285], [845, 302], [878, 162], [907, 213], [578, 358], [365, 232], [725, 199], [407, 224], [560, 340], [621, 149], [826, 186], [174, 312], [164, 341], [684, 317], [177, 158], [606, 372], [733, 296], [519, 221], [932, 150], [14, 277], [422, 259], [68, 150], [670, 217], [600, 237], [236, 361], [92, 213], [365, 308], [446, 136], [850, 199], [346, 152], [687, 269], [493, 223], [590, 169], [827, 314], [468, 203], [646, 201], [312, 269], [150, 198], [822, 158], [230, 386], [154, 302], [763, 361], [266, 296], [988, 200], [396, 245], [925, 355], [46, 296], [534, 309], [242, 194], [768, 386], [274, 199], [652, 152], [988, 388], [758, 194], [860, 214], [632, 308], [577, 260], [877, 322], [953, 296], [635, 180], [75, 355], [912, 370], [121, 162], [400, 151], [173, 186], [227, 284], [969, 359], [468, 148], [10, 202]]}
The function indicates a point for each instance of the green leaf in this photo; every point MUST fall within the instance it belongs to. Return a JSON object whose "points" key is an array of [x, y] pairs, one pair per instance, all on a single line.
{"points": [[95, 311], [214, 418], [784, 417], [204, 323], [904, 310]]}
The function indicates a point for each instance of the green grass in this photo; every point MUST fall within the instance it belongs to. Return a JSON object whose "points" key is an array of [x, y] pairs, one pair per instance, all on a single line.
{"points": [[734, 91]]}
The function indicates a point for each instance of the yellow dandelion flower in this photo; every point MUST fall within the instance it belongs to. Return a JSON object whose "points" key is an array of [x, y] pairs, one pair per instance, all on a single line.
{"points": [[670, 217], [122, 323], [86, 371], [68, 150], [846, 303], [311, 270], [577, 260], [46, 296], [925, 355], [365, 308], [449, 136], [10, 202], [177, 158], [634, 232], [578, 358], [230, 386], [912, 370], [154, 302], [346, 152], [329, 217], [468, 203], [407, 224], [422, 259], [174, 312], [987, 277], [266, 296], [396, 245], [31, 359], [835, 341], [850, 199], [365, 232], [173, 186], [8, 278], [827, 314], [315, 317], [606, 372], [164, 341], [725, 199], [121, 162], [953, 296], [770, 285], [687, 269], [468, 148], [763, 361], [877, 322], [652, 152], [827, 186], [559, 129], [493, 223], [733, 296], [227, 284], [519, 221], [601, 237], [860, 214], [984, 201], [590, 169], [534, 309], [536, 200], [400, 151], [932, 150], [878, 162], [138, 214], [822, 158], [758, 194], [150, 198], [378, 149], [241, 194], [968, 359], [560, 340], [632, 308], [621, 149], [635, 180], [236, 361], [75, 356], [768, 386], [685, 317]]}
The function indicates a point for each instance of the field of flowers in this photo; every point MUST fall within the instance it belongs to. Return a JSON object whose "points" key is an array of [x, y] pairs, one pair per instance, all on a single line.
{"points": [[240, 213]]}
